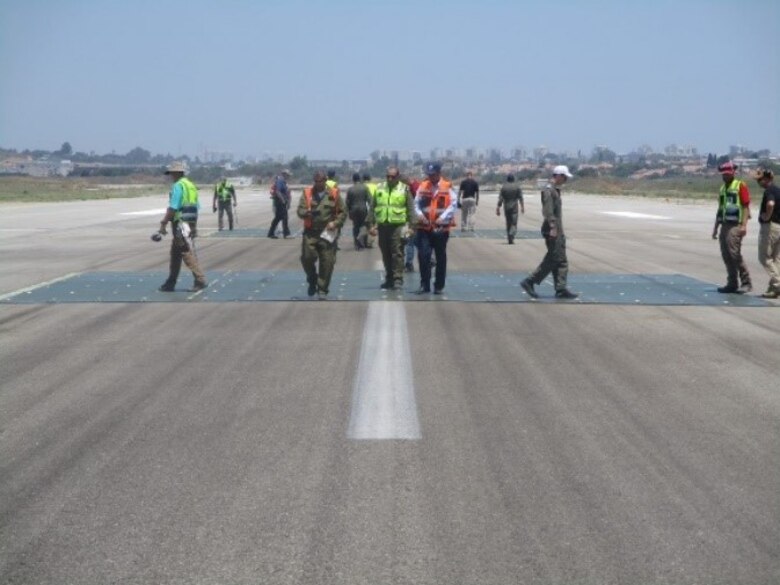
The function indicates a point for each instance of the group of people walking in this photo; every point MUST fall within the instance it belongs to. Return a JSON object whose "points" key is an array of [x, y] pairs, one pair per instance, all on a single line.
{"points": [[387, 212], [731, 224], [403, 214]]}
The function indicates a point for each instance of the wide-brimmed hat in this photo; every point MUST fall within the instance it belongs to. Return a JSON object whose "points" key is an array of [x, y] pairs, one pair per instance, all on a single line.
{"points": [[175, 167]]}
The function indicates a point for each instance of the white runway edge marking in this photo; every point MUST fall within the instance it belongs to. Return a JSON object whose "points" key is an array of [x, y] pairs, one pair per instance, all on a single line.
{"points": [[21, 291], [383, 403], [145, 212], [635, 215]]}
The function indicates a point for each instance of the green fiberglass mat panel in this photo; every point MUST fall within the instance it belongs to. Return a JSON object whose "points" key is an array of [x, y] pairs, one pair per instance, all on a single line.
{"points": [[486, 234], [252, 286]]}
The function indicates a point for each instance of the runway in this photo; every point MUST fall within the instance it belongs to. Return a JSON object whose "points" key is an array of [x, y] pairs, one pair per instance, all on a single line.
{"points": [[479, 438]]}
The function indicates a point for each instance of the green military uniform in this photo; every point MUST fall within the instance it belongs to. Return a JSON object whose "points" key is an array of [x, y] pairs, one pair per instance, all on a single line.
{"points": [[358, 206], [392, 208], [555, 260], [327, 206], [510, 196]]}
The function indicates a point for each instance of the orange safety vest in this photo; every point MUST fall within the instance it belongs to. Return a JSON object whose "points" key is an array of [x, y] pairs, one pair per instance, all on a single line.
{"points": [[307, 193], [439, 200]]}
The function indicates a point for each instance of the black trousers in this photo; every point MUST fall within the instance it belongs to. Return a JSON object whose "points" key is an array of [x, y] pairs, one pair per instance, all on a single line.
{"points": [[427, 244], [280, 215]]}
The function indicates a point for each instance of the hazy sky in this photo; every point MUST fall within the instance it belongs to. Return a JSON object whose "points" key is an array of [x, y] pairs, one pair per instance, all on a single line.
{"points": [[340, 78]]}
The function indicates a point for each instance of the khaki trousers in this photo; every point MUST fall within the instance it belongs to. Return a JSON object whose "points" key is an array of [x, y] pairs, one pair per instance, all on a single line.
{"points": [[182, 252], [731, 251], [769, 253]]}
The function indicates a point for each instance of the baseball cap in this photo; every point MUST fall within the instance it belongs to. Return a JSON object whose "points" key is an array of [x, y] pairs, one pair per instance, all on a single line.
{"points": [[562, 170], [763, 174], [727, 168], [432, 168]]}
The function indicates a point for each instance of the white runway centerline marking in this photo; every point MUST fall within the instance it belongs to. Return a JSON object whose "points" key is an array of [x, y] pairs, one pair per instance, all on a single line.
{"points": [[383, 403], [635, 215]]}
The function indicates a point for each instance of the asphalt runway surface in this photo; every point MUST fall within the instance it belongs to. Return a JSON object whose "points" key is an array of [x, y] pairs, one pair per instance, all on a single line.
{"points": [[385, 442]]}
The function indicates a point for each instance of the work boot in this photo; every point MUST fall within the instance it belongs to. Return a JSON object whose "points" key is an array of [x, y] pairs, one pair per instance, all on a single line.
{"points": [[565, 294], [528, 287], [511, 240], [398, 285], [728, 289], [312, 290], [770, 294], [438, 291], [386, 285], [423, 290], [199, 285], [322, 296], [746, 287], [167, 287], [273, 236]]}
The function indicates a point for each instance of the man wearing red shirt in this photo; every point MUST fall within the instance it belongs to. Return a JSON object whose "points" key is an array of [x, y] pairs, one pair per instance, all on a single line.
{"points": [[732, 217]]}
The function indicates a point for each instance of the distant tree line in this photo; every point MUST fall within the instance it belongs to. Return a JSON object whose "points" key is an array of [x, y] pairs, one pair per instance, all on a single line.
{"points": [[140, 161]]}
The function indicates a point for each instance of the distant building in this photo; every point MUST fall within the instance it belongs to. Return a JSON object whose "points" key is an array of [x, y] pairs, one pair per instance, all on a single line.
{"points": [[36, 168]]}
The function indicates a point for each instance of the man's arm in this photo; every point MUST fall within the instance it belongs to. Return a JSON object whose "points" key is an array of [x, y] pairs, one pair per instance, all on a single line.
{"points": [[548, 211], [744, 197], [770, 206], [341, 212], [418, 210], [411, 214], [446, 217], [177, 194], [303, 211]]}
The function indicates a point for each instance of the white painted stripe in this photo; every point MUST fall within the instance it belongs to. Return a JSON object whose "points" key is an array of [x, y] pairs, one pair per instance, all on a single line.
{"points": [[383, 403], [23, 229], [22, 291], [635, 215], [145, 212]]}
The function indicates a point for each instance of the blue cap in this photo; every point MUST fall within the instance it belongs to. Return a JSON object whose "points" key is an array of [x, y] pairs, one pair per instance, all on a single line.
{"points": [[432, 168]]}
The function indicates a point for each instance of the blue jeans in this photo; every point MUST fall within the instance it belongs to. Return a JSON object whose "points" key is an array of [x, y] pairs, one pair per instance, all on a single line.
{"points": [[409, 251], [428, 243]]}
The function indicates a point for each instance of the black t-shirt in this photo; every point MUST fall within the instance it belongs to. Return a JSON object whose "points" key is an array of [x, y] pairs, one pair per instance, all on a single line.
{"points": [[772, 193], [469, 188]]}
